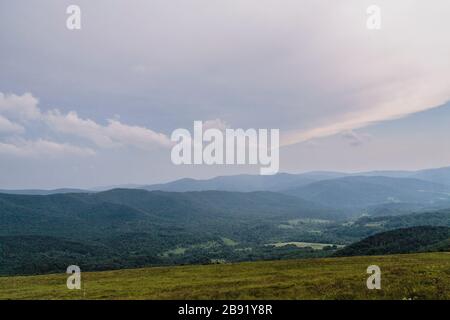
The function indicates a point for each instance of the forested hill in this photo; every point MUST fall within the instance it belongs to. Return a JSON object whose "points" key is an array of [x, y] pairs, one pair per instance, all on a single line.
{"points": [[131, 228], [127, 228], [127, 210], [405, 240]]}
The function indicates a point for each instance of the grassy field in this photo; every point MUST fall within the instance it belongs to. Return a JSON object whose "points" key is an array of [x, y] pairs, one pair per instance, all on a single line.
{"points": [[313, 245], [414, 276]]}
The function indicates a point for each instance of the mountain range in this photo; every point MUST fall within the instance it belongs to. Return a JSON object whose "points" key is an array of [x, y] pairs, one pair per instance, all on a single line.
{"points": [[285, 181], [367, 192], [247, 183]]}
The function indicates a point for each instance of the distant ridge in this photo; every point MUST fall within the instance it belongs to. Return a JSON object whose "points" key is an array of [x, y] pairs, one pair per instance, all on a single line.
{"points": [[43, 192], [281, 182], [284, 181], [245, 182], [363, 191]]}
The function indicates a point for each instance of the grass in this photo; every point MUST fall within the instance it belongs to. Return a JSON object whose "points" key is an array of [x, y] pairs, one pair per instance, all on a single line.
{"points": [[312, 245], [205, 245], [229, 242], [413, 276]]}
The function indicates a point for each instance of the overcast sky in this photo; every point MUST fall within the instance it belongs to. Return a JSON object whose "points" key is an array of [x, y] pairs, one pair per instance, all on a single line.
{"points": [[97, 106]]}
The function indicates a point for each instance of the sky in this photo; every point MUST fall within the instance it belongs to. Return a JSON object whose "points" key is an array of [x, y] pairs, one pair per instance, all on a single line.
{"points": [[97, 106]]}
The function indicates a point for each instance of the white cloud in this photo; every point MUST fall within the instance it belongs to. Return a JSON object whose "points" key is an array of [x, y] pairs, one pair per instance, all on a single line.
{"points": [[6, 126], [399, 108], [114, 134], [136, 136], [72, 124], [355, 139], [364, 77], [215, 124], [22, 107], [42, 148]]}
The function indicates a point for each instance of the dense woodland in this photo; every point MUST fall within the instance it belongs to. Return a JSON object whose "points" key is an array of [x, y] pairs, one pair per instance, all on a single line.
{"points": [[404, 240], [125, 228]]}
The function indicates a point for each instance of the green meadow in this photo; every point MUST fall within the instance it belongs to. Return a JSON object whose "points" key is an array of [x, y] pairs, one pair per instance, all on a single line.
{"points": [[312, 245], [409, 276]]}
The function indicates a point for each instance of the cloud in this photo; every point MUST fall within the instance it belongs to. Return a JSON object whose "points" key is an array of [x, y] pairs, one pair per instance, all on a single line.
{"points": [[22, 107], [309, 67], [7, 126], [215, 124], [42, 148], [114, 134], [136, 136], [72, 124], [355, 139], [389, 111]]}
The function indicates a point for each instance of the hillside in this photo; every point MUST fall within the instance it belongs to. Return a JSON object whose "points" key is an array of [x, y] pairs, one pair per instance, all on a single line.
{"points": [[438, 175], [413, 276], [42, 192], [125, 210], [134, 228], [248, 183], [245, 182], [364, 191], [403, 208], [285, 181], [405, 240], [363, 227], [384, 223], [125, 228]]}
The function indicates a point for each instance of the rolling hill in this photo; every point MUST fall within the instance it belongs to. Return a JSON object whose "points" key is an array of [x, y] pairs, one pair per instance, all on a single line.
{"points": [[125, 209], [129, 228], [42, 192], [405, 240], [250, 183], [245, 183], [285, 181], [438, 175], [126, 228], [362, 191]]}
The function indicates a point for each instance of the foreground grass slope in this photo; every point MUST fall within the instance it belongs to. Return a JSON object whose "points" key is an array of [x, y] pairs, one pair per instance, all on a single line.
{"points": [[415, 276]]}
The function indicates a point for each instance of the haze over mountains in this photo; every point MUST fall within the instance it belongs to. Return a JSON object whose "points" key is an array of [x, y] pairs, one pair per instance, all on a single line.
{"points": [[350, 192], [402, 190], [285, 181], [247, 182], [363, 191]]}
